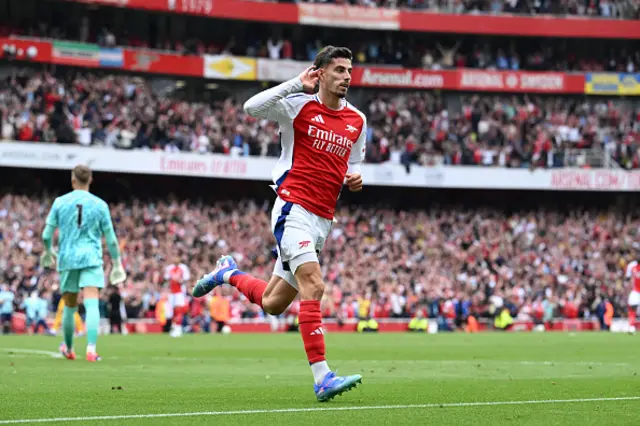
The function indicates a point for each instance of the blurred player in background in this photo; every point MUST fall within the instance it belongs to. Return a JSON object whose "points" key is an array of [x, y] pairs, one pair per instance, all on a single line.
{"points": [[633, 272], [220, 310], [323, 145], [36, 309], [6, 308], [115, 305], [177, 274], [57, 322], [82, 219]]}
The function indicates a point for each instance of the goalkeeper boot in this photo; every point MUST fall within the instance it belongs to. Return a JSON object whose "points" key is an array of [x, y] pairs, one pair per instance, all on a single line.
{"points": [[68, 354], [93, 357], [224, 268], [333, 385]]}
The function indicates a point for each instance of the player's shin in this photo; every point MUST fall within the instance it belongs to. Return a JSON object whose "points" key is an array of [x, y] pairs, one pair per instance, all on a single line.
{"points": [[310, 323], [253, 288], [92, 323], [68, 324]]}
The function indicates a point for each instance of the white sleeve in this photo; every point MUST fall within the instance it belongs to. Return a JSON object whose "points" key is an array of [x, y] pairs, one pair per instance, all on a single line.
{"points": [[186, 275], [272, 104], [630, 268], [358, 151]]}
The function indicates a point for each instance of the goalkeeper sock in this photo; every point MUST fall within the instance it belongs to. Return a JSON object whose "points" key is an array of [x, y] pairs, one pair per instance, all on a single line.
{"points": [[68, 326], [92, 321]]}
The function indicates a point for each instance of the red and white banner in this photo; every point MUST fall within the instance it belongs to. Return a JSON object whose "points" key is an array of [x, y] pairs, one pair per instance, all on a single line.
{"points": [[400, 77], [26, 50], [238, 68], [520, 81], [389, 19], [152, 61], [608, 180], [386, 325], [279, 70], [217, 166], [348, 16]]}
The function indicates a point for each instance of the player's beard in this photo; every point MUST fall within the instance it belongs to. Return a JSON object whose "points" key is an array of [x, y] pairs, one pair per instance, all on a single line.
{"points": [[341, 92]]}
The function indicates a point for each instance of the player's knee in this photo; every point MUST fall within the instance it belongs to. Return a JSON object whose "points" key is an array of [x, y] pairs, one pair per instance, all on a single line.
{"points": [[272, 306], [70, 300], [310, 281]]}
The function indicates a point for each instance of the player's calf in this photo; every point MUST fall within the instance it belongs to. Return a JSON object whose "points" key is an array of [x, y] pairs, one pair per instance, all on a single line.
{"points": [[68, 321], [311, 288]]}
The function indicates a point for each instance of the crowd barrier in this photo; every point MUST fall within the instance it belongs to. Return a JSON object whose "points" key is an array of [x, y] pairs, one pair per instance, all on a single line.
{"points": [[386, 325]]}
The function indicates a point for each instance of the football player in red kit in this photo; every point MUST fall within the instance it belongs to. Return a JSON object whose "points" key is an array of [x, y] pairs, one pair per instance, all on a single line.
{"points": [[323, 145], [633, 272]]}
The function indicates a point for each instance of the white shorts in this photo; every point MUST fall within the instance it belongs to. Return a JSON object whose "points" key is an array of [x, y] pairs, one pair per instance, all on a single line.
{"points": [[634, 299], [175, 300], [300, 235]]}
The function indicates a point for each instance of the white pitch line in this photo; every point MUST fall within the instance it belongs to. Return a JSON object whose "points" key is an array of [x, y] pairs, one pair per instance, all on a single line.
{"points": [[315, 409], [33, 352]]}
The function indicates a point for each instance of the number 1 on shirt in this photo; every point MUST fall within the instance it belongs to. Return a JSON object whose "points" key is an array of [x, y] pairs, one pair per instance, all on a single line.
{"points": [[79, 207]]}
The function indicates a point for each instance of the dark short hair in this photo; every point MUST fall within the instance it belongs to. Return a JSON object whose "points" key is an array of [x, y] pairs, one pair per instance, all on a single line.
{"points": [[329, 53], [82, 174]]}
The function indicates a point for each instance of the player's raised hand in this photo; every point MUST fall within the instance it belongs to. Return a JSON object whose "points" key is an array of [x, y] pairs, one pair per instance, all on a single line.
{"points": [[309, 78], [48, 259], [354, 182]]}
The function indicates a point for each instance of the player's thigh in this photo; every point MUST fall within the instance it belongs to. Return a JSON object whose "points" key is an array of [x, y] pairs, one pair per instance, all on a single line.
{"points": [[168, 307], [70, 282], [179, 300], [634, 299], [286, 275], [279, 293], [92, 281], [295, 234], [92, 277]]}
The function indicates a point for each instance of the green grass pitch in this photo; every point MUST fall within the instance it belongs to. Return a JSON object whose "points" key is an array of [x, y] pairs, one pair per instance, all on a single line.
{"points": [[447, 379]]}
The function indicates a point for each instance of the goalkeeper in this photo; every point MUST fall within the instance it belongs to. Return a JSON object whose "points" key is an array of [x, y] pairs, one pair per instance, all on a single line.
{"points": [[82, 219]]}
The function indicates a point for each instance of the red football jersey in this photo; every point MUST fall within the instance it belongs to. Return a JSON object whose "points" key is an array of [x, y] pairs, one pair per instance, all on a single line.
{"points": [[177, 275], [633, 272], [318, 145]]}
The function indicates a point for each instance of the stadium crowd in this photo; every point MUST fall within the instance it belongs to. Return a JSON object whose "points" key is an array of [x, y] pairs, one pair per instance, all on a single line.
{"points": [[624, 9], [401, 49], [409, 128], [379, 262]]}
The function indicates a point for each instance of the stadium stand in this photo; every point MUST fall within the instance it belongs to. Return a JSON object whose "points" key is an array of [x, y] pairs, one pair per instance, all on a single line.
{"points": [[125, 112], [380, 260], [193, 36], [433, 101]]}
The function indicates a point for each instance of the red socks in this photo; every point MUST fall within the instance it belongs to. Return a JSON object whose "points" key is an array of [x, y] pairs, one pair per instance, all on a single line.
{"points": [[632, 316], [251, 287], [310, 321]]}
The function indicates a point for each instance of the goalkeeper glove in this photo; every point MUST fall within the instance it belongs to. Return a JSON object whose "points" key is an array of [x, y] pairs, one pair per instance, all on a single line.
{"points": [[48, 258], [117, 273]]}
